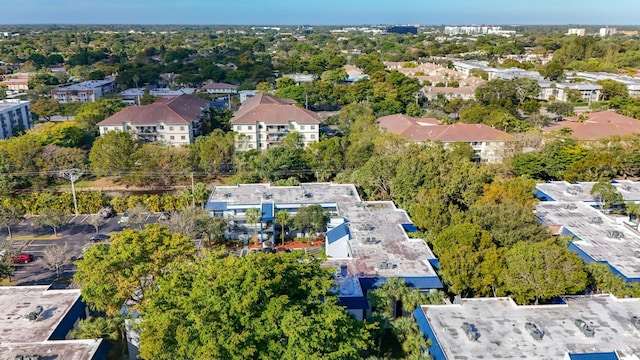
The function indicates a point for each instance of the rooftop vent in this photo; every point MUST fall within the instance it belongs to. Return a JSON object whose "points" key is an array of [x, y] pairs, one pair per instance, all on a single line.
{"points": [[637, 254], [35, 315], [627, 188], [370, 240], [635, 320], [31, 357], [587, 330], [571, 206], [386, 265], [615, 234], [533, 330], [362, 204], [349, 192], [227, 195], [574, 190], [596, 220], [308, 195], [267, 196], [471, 331]]}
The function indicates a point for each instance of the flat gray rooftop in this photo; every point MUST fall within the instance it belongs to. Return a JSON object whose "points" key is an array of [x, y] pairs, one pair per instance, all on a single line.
{"points": [[86, 85], [58, 349], [380, 221], [564, 191], [501, 325], [10, 103], [16, 302], [602, 237]]}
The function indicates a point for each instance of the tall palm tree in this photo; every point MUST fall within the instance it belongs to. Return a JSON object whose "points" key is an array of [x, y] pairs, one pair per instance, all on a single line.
{"points": [[283, 218], [253, 217]]}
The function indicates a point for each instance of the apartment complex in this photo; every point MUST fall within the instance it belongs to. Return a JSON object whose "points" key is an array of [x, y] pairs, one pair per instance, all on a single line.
{"points": [[14, 115], [175, 121], [487, 143], [597, 125], [599, 327], [263, 121], [87, 91]]}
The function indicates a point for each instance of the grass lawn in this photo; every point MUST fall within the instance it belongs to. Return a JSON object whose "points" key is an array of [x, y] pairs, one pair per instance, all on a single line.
{"points": [[31, 237]]}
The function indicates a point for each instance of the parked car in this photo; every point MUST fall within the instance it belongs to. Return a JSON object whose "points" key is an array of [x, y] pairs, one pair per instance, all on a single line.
{"points": [[100, 237], [22, 258], [124, 219]]}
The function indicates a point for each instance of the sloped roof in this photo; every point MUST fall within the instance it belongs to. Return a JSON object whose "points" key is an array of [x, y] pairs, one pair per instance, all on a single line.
{"points": [[418, 129], [179, 110], [216, 86], [272, 110], [598, 125]]}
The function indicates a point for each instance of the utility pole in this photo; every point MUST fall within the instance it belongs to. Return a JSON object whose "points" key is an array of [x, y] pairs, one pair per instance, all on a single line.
{"points": [[73, 175], [193, 192]]}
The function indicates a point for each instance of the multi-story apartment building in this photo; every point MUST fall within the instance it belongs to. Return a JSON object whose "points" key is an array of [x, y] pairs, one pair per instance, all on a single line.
{"points": [[87, 91], [14, 115], [176, 121], [263, 121]]}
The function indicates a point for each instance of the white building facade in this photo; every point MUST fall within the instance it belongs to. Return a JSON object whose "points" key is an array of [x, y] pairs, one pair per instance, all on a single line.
{"points": [[15, 115]]}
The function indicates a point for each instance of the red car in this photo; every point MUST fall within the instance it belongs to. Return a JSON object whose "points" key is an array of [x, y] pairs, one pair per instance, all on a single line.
{"points": [[22, 258]]}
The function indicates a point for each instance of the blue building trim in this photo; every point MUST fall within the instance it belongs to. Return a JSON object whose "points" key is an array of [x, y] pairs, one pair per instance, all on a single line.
{"points": [[435, 263], [423, 324], [353, 302], [267, 211], [542, 196], [103, 350], [337, 233], [409, 228], [595, 356], [75, 313]]}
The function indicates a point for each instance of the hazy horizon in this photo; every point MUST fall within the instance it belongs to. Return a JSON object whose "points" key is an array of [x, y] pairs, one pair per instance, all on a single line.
{"points": [[328, 12]]}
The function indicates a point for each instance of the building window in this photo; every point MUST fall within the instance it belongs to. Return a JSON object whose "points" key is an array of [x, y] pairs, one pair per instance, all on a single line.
{"points": [[239, 127], [249, 127], [182, 137], [181, 128], [313, 127], [313, 136], [161, 127], [301, 127], [260, 126], [171, 137], [170, 128], [250, 146]]}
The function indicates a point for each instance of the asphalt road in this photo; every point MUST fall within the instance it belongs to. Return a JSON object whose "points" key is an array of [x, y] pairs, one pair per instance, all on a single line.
{"points": [[76, 234]]}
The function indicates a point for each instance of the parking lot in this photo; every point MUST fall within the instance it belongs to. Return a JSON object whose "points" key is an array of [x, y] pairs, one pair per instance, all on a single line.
{"points": [[35, 240]]}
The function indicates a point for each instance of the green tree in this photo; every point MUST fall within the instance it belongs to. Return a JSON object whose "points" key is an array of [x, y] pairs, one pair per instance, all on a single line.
{"points": [[312, 217], [201, 193], [111, 153], [90, 114], [255, 307], [110, 328], [196, 222], [128, 266], [53, 218], [214, 153], [509, 223], [45, 108], [560, 108], [612, 88], [10, 215], [461, 249], [605, 195], [541, 271], [253, 216], [283, 218]]}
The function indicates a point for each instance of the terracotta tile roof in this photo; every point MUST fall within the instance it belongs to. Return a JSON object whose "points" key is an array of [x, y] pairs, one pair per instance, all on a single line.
{"points": [[418, 129], [179, 110], [449, 90], [598, 125], [272, 110]]}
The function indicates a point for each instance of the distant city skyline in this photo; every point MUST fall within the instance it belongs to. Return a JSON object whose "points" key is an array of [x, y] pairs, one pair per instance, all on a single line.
{"points": [[327, 12]]}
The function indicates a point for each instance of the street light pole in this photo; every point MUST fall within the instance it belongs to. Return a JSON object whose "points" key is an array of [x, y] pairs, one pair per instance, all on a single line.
{"points": [[73, 175]]}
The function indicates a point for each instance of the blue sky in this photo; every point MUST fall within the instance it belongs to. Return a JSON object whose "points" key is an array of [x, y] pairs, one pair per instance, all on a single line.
{"points": [[313, 12]]}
